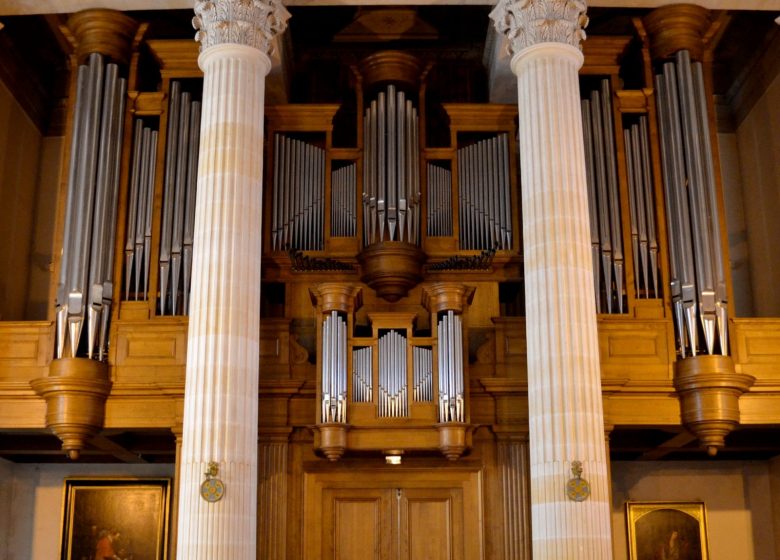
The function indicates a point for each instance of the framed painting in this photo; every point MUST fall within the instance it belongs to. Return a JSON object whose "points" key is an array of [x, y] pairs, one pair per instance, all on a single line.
{"points": [[116, 518], [666, 531]]}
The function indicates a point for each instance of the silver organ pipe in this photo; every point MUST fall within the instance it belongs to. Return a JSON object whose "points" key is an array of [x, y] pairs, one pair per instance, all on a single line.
{"points": [[450, 362], [697, 270], [603, 199], [393, 390], [439, 214], [391, 179], [298, 193], [178, 211], [484, 195], [84, 291], [362, 374], [343, 212], [423, 374], [642, 207], [139, 212], [334, 368]]}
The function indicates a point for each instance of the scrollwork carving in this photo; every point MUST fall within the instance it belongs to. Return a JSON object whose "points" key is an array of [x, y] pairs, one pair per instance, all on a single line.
{"points": [[528, 22], [254, 23]]}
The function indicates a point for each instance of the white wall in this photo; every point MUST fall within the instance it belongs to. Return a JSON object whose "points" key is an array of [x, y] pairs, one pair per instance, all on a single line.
{"points": [[736, 495], [31, 503]]}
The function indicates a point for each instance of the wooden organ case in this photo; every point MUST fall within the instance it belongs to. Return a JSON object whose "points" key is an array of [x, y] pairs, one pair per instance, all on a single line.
{"points": [[392, 302]]}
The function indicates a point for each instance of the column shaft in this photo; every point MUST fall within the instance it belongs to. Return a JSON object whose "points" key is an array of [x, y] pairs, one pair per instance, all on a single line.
{"points": [[221, 395], [564, 390]]}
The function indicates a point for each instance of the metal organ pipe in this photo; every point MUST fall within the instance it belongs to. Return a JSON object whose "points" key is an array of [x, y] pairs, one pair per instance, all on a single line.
{"points": [[451, 387], [334, 368], [484, 195], [180, 184], [698, 276], [391, 185], [298, 193], [84, 291], [343, 216], [642, 208], [603, 199]]}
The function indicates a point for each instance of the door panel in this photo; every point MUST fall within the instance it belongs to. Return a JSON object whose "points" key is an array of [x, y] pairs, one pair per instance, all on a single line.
{"points": [[356, 524], [431, 524], [359, 514]]}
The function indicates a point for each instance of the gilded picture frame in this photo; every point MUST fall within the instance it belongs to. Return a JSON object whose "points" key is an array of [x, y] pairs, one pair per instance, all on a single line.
{"points": [[115, 518], [666, 531]]}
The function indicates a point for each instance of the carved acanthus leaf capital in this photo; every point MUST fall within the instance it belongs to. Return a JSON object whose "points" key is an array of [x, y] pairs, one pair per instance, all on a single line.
{"points": [[528, 22], [254, 23]]}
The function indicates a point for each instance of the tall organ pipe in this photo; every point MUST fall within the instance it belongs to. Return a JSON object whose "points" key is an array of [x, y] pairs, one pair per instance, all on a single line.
{"points": [[698, 276], [450, 350], [484, 195], [84, 291], [391, 194], [604, 200], [179, 188]]}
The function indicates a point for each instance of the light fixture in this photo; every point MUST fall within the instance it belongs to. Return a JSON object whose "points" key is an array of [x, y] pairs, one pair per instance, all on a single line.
{"points": [[393, 459]]}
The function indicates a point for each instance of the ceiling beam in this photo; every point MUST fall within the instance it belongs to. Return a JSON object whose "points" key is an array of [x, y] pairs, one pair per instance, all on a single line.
{"points": [[111, 447], [680, 440], [20, 7]]}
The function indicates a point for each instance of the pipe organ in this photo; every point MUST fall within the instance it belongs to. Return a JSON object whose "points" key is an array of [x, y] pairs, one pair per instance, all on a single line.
{"points": [[391, 190], [298, 186], [484, 200], [139, 212], [698, 284], [603, 199], [85, 288], [644, 240], [178, 212]]}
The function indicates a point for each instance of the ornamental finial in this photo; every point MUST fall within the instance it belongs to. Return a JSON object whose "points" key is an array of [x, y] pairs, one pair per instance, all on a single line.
{"points": [[254, 23], [528, 22]]}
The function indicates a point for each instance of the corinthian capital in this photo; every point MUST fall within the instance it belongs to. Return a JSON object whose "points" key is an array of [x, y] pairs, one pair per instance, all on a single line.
{"points": [[528, 22], [254, 23]]}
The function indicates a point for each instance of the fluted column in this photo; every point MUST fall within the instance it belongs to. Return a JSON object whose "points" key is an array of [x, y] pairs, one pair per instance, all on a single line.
{"points": [[564, 391], [221, 393]]}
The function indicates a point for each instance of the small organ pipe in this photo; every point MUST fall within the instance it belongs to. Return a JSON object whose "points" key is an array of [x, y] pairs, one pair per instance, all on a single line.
{"points": [[172, 146], [192, 186], [633, 205], [649, 202], [132, 205]]}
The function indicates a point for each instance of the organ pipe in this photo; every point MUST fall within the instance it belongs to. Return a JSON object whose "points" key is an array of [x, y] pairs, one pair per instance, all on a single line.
{"points": [[393, 391], [450, 362], [696, 262], [179, 193], [85, 287], [603, 199], [139, 211], [484, 198], [343, 214], [334, 368], [439, 214], [642, 209], [391, 178], [297, 217]]}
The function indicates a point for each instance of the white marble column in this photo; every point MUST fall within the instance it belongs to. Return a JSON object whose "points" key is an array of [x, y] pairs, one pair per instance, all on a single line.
{"points": [[564, 391], [221, 393]]}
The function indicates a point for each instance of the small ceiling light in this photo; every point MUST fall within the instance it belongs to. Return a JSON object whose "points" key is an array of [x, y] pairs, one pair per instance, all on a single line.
{"points": [[393, 459]]}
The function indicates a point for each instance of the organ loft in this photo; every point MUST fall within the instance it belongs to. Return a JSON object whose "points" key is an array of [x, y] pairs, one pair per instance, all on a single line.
{"points": [[421, 282]]}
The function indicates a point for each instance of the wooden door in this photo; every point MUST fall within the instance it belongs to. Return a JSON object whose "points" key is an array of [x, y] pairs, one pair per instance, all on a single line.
{"points": [[393, 515]]}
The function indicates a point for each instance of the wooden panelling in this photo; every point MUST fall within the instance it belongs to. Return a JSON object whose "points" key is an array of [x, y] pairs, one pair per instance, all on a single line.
{"points": [[431, 523], [25, 350], [271, 486], [150, 351], [636, 350], [275, 348], [756, 347]]}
